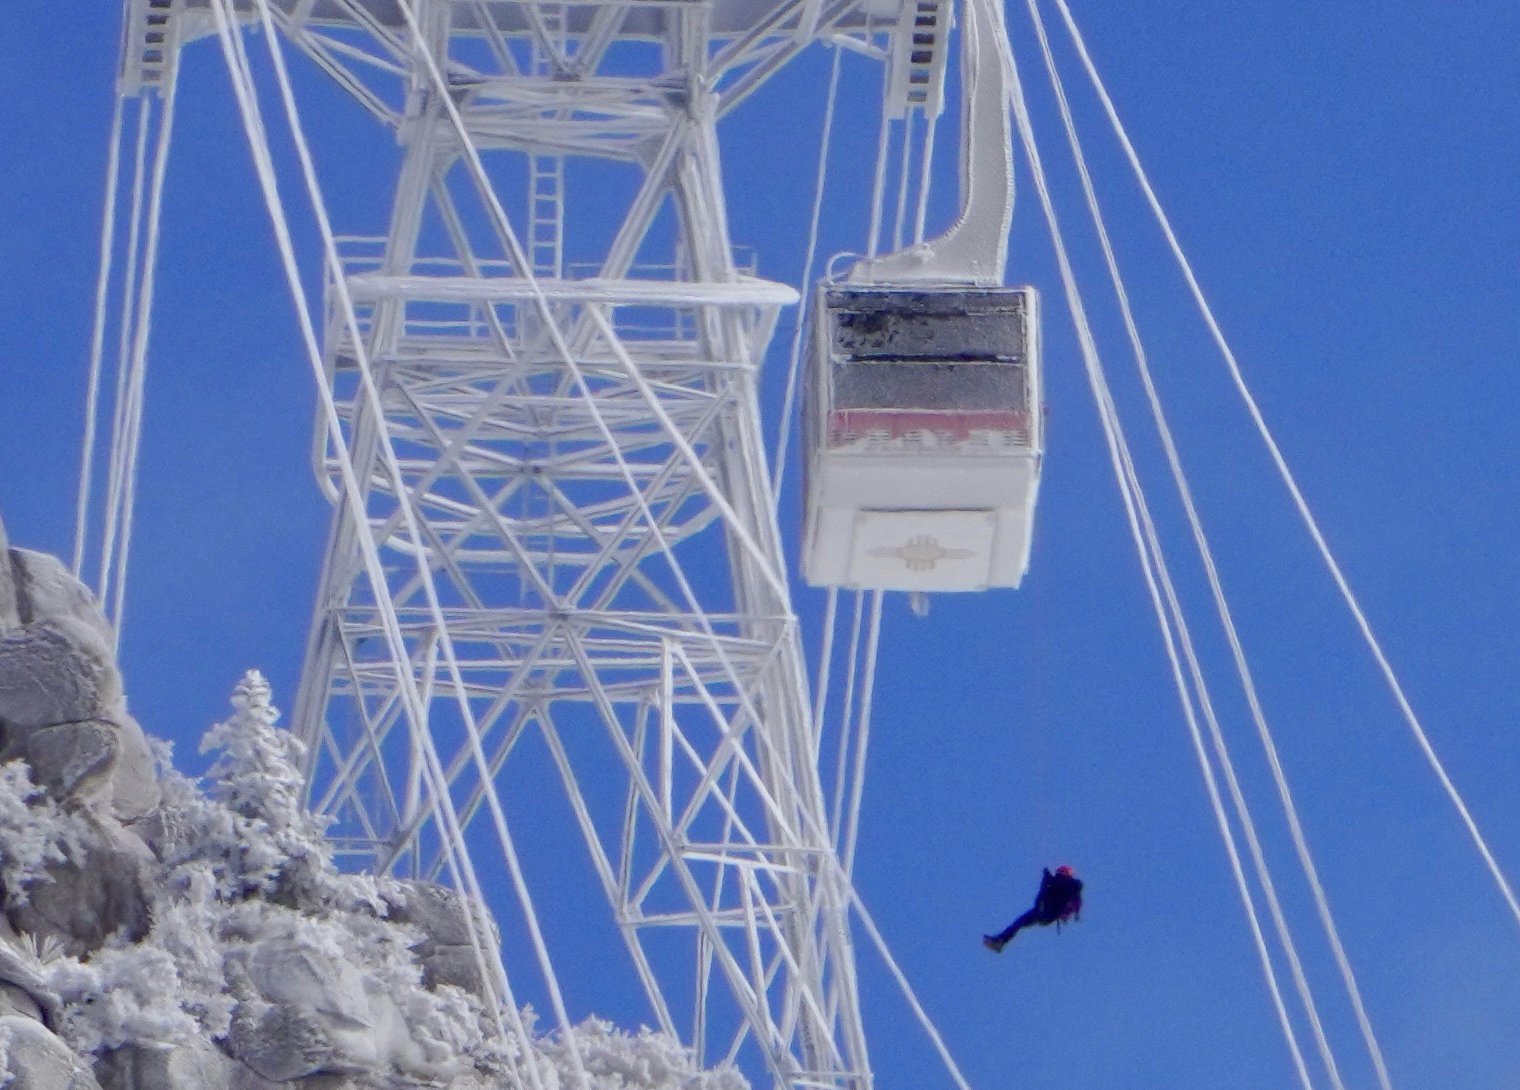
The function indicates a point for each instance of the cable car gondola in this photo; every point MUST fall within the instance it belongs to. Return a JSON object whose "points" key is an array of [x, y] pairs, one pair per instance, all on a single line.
{"points": [[924, 429]]}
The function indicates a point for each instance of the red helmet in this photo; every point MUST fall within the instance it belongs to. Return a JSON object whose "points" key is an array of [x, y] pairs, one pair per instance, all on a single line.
{"points": [[1064, 869]]}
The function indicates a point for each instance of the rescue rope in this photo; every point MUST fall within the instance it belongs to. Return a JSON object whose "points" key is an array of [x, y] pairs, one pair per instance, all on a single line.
{"points": [[904, 182], [1147, 545], [879, 185], [825, 668], [1226, 619], [925, 174], [846, 722], [863, 732]]}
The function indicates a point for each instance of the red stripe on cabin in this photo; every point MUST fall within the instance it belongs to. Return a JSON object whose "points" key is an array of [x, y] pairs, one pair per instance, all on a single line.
{"points": [[852, 425]]}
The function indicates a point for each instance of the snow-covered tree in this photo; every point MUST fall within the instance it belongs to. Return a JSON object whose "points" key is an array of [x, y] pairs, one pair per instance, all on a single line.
{"points": [[270, 842], [35, 833], [249, 883], [259, 949], [646, 1060], [124, 994]]}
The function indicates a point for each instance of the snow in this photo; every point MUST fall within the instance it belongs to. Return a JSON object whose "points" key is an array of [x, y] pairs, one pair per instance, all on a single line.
{"points": [[157, 932], [259, 948], [34, 834]]}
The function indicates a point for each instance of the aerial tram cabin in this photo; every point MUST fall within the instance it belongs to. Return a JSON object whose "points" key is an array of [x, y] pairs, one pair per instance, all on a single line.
{"points": [[924, 428], [924, 437]]}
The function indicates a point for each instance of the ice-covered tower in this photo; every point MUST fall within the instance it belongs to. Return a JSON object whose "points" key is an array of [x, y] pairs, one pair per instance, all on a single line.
{"points": [[554, 554], [554, 567]]}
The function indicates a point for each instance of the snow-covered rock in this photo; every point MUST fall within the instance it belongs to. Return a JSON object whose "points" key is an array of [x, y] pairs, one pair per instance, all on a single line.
{"points": [[45, 588], [10, 614], [97, 892], [106, 764], [17, 1000], [158, 935], [284, 1043], [199, 1064], [441, 917], [75, 760], [312, 1015], [134, 781], [297, 975], [55, 670], [32, 1058], [61, 701]]}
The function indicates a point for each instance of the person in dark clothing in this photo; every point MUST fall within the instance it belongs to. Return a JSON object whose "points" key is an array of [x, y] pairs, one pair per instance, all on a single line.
{"points": [[1059, 900]]}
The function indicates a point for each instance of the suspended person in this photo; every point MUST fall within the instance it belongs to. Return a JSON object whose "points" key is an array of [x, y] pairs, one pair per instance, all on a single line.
{"points": [[1059, 901]]}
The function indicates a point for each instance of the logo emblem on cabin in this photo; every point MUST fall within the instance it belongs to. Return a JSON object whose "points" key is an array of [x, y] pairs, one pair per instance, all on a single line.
{"points": [[922, 553]]}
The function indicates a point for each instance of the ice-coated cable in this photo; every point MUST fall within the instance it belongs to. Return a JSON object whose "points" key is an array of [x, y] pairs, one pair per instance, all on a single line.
{"points": [[805, 307], [1286, 474], [142, 325], [116, 460], [919, 1013], [98, 338], [1151, 560], [411, 522], [237, 65], [1222, 609]]}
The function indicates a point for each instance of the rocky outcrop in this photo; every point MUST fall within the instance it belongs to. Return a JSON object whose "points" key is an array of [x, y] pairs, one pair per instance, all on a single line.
{"points": [[55, 671], [39, 1060], [62, 707], [441, 918], [199, 1064], [158, 936], [10, 611], [191, 942], [62, 711]]}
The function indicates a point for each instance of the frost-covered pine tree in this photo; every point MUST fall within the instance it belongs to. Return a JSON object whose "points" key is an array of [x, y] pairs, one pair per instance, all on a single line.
{"points": [[255, 771], [272, 846]]}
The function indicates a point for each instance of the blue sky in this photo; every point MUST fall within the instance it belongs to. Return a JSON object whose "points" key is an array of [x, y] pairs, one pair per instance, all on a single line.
{"points": [[1344, 179]]}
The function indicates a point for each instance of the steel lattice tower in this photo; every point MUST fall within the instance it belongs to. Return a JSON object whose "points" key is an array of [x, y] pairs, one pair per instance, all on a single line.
{"points": [[554, 523], [558, 519]]}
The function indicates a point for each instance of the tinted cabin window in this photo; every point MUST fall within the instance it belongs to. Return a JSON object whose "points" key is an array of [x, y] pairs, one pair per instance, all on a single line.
{"points": [[949, 351], [920, 386], [942, 326]]}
